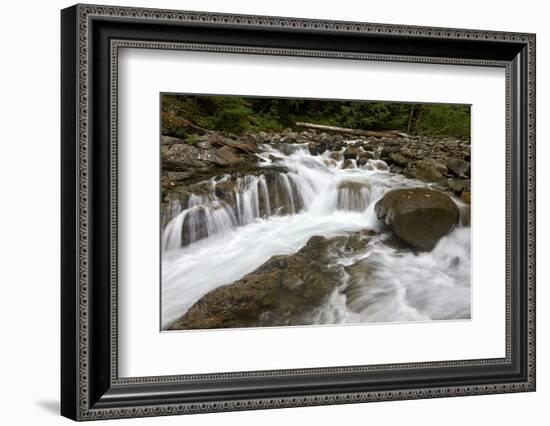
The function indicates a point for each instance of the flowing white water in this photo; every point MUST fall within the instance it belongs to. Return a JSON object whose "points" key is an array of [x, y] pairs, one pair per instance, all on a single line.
{"points": [[397, 286], [211, 242]]}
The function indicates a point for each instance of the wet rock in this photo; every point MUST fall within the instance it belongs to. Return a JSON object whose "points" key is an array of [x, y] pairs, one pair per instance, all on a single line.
{"points": [[348, 164], [243, 146], [396, 169], [170, 178], [364, 157], [283, 195], [458, 167], [465, 215], [356, 242], [358, 143], [392, 142], [458, 185], [429, 170], [316, 148], [290, 137], [182, 157], [398, 159], [354, 196], [325, 138], [377, 165], [396, 243], [418, 216], [169, 140], [408, 153], [279, 195], [352, 152], [466, 197], [438, 165], [334, 145], [194, 226], [256, 138], [358, 275], [387, 151], [329, 162], [367, 232], [276, 192], [283, 291], [222, 157], [338, 156]]}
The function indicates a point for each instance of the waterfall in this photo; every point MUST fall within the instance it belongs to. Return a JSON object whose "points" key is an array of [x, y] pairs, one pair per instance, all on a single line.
{"points": [[236, 223], [288, 189], [204, 216], [172, 235], [312, 184], [265, 196], [353, 197]]}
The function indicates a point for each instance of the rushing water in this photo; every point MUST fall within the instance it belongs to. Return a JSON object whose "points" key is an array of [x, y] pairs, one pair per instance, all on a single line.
{"points": [[212, 241]]}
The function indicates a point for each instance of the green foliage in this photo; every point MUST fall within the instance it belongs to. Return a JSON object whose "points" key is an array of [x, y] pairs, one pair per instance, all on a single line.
{"points": [[180, 132], [444, 120], [226, 114], [192, 139], [363, 115], [185, 115]]}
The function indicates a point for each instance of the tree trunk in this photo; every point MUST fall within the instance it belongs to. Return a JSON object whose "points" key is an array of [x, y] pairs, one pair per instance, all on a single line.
{"points": [[357, 132], [410, 119]]}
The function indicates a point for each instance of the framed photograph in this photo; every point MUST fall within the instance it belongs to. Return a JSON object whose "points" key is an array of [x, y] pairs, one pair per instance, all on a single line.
{"points": [[263, 212]]}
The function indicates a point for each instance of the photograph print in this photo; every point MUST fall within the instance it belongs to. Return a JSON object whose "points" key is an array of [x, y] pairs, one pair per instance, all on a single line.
{"points": [[296, 212]]}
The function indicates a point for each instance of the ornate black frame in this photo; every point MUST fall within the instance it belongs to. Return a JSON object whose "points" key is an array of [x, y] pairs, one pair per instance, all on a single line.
{"points": [[91, 37]]}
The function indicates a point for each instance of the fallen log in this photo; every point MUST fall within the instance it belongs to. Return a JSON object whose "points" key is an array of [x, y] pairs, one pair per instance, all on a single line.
{"points": [[356, 132]]}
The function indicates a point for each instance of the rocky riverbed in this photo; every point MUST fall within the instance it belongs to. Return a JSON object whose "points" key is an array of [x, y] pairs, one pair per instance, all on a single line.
{"points": [[297, 228]]}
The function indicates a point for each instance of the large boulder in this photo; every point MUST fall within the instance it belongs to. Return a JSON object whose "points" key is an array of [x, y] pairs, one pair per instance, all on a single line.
{"points": [[418, 216], [283, 291]]}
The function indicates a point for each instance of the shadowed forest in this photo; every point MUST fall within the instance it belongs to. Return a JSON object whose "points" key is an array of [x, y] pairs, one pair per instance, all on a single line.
{"points": [[184, 115]]}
